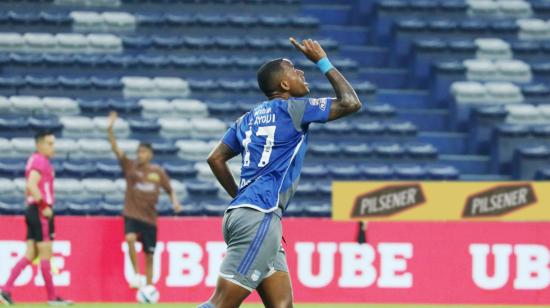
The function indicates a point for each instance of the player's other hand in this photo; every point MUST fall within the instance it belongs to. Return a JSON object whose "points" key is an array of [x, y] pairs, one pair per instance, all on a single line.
{"points": [[178, 208], [310, 48], [47, 212], [112, 119]]}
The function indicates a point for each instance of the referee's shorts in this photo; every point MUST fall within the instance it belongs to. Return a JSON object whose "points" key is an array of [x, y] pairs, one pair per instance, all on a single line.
{"points": [[39, 228]]}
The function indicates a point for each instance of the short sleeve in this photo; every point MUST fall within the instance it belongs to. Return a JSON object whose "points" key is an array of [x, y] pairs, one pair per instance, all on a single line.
{"points": [[39, 164], [125, 163], [316, 110], [165, 182], [230, 139]]}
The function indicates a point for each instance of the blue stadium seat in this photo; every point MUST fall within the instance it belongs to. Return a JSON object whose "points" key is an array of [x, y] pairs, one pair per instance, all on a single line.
{"points": [[528, 159], [203, 85], [410, 172], [211, 20], [243, 21], [536, 93], [221, 109], [165, 208], [370, 129], [247, 62], [87, 60], [214, 207], [192, 208], [344, 171], [474, 28], [274, 21], [324, 149], [58, 59], [442, 26], [338, 128], [12, 207], [316, 208], [261, 43], [60, 208], [14, 126], [121, 61], [165, 148], [84, 209], [306, 189], [304, 22], [12, 169], [183, 171], [227, 42], [402, 129], [179, 19], [125, 107], [388, 150], [106, 83], [26, 18], [462, 48], [79, 169], [167, 42], [11, 83], [421, 151], [136, 42], [294, 209], [49, 123], [201, 188], [234, 86], [453, 7], [108, 169], [26, 59], [355, 150], [145, 126], [442, 172], [111, 209], [198, 42], [375, 171], [380, 111], [71, 82], [504, 28], [505, 141], [314, 171], [55, 18], [150, 19], [184, 61], [543, 174], [93, 106]]}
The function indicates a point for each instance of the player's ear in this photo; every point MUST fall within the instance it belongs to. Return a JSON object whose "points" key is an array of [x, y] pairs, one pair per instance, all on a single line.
{"points": [[285, 85]]}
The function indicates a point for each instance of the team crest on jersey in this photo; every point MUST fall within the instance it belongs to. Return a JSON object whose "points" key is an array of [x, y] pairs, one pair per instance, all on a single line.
{"points": [[321, 102], [153, 177]]}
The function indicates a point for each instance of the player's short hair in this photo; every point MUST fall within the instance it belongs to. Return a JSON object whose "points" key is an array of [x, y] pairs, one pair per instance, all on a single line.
{"points": [[269, 76], [146, 145], [40, 135]]}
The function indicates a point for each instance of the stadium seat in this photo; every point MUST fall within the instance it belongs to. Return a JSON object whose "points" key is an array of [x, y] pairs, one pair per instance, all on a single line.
{"points": [[45, 123], [207, 128], [410, 172], [86, 21], [129, 146], [201, 188], [375, 171], [524, 115], [26, 104], [11, 42], [14, 126], [214, 207], [84, 209], [78, 169], [111, 209], [175, 128], [535, 93], [360, 150], [503, 93], [515, 9], [138, 87], [180, 171], [39, 42], [23, 147], [119, 21], [528, 160], [294, 209], [482, 9], [12, 206], [68, 187], [5, 148], [316, 209], [344, 171], [98, 187], [314, 171], [59, 19], [421, 151], [388, 150], [12, 169], [74, 127], [108, 169], [480, 70], [165, 148], [194, 150], [533, 29], [442, 172], [371, 129], [121, 127], [65, 147], [402, 129], [493, 49], [104, 43], [5, 105], [7, 188], [94, 149], [190, 108], [543, 174], [71, 43], [324, 149], [60, 106]]}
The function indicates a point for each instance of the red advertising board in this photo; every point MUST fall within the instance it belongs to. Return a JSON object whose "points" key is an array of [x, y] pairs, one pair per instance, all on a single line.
{"points": [[403, 262]]}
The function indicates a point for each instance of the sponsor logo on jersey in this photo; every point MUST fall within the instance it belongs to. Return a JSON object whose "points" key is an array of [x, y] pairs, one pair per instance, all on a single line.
{"points": [[153, 177], [321, 102], [499, 200], [388, 200]]}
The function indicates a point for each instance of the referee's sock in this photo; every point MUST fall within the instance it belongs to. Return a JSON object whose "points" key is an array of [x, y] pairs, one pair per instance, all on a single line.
{"points": [[48, 281], [17, 269]]}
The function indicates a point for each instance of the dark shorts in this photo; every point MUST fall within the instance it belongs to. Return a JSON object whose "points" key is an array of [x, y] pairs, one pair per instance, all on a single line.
{"points": [[147, 233], [39, 228]]}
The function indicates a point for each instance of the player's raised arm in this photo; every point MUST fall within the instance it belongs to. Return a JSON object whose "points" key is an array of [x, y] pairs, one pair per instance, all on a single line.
{"points": [[112, 139], [217, 160], [346, 101]]}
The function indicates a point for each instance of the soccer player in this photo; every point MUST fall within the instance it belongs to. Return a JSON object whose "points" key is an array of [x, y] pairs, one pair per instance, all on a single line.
{"points": [[39, 219], [272, 139], [143, 183]]}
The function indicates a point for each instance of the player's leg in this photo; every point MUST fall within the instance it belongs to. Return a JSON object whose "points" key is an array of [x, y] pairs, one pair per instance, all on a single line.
{"points": [[34, 233], [227, 295], [131, 231], [276, 290], [149, 242]]}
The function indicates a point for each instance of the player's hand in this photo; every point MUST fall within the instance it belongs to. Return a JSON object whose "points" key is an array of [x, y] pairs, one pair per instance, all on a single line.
{"points": [[112, 119], [47, 212], [178, 208], [310, 48]]}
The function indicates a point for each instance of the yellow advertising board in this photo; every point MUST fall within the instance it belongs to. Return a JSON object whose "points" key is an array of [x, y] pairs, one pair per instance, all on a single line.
{"points": [[441, 201]]}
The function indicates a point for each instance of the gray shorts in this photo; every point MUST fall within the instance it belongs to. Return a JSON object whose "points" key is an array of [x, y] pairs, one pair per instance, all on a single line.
{"points": [[254, 250]]}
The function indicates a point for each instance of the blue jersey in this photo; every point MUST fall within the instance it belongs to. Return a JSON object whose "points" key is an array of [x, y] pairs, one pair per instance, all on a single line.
{"points": [[272, 140]]}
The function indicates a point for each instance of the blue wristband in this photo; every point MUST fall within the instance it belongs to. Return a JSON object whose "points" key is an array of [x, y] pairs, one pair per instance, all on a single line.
{"points": [[324, 65]]}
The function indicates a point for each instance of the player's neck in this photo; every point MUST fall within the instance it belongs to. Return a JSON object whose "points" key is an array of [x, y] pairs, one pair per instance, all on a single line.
{"points": [[279, 95]]}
